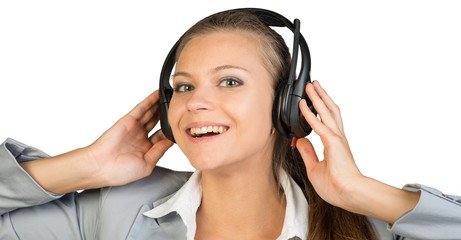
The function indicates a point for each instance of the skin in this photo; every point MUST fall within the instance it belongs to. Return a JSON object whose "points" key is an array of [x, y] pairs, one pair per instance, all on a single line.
{"points": [[237, 180], [123, 154], [337, 178], [207, 64]]}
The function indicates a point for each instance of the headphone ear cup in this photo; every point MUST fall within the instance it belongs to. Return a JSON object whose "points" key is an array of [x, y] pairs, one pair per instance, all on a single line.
{"points": [[279, 111], [307, 128], [164, 124], [287, 118], [300, 127]]}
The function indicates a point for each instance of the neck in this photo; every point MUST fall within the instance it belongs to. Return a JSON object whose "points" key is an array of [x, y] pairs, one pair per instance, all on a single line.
{"points": [[246, 204]]}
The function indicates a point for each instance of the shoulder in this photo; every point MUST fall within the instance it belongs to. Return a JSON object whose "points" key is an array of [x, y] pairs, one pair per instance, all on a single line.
{"points": [[112, 211], [127, 199]]}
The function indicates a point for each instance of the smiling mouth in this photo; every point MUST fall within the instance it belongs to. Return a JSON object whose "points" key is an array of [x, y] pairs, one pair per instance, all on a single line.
{"points": [[207, 131]]}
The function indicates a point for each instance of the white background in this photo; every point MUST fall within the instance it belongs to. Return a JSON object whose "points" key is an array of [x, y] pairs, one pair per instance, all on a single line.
{"points": [[70, 69]]}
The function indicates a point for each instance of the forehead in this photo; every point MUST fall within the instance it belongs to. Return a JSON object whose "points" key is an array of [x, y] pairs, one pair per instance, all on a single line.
{"points": [[218, 48]]}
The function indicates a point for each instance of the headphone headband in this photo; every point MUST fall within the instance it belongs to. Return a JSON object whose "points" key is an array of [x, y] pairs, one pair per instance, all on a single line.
{"points": [[286, 114]]}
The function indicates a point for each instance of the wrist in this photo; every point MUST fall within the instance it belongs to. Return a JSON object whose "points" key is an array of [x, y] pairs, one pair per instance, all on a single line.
{"points": [[375, 199], [64, 173], [356, 198], [77, 172], [91, 169]]}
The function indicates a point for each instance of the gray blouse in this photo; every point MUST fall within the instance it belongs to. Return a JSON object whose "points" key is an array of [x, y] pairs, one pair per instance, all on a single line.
{"points": [[29, 212]]}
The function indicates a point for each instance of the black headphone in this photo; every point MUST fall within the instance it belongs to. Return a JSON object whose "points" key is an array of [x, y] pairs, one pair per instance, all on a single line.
{"points": [[286, 115]]}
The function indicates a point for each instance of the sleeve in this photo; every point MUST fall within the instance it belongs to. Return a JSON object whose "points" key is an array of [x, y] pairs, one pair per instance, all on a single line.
{"points": [[436, 216], [30, 212], [17, 188]]}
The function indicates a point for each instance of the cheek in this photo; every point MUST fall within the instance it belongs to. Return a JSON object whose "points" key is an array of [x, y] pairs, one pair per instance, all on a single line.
{"points": [[254, 114]]}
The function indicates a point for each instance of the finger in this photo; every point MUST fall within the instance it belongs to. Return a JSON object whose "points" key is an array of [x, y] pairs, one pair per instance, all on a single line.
{"points": [[323, 111], [312, 119], [308, 154], [156, 152], [157, 136], [331, 105], [143, 107], [149, 114], [152, 122]]}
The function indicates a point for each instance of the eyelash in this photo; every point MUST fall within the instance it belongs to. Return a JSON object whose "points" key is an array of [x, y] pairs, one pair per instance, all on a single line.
{"points": [[237, 82], [180, 87]]}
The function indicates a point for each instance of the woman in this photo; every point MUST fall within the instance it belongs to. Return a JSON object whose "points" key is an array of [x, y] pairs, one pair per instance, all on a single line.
{"points": [[249, 185]]}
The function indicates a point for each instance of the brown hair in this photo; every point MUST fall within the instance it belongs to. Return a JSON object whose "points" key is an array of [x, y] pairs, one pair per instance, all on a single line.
{"points": [[325, 221]]}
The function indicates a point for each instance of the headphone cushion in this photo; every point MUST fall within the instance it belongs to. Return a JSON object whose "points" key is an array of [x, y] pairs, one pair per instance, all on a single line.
{"points": [[164, 124], [279, 111]]}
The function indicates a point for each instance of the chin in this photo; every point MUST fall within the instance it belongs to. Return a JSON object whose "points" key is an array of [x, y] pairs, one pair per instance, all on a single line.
{"points": [[205, 163], [210, 162]]}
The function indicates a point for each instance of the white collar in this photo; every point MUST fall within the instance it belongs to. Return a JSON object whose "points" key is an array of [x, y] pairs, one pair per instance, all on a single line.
{"points": [[187, 200]]}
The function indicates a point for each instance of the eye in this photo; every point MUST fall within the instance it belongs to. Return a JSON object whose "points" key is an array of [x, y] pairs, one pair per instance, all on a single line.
{"points": [[183, 87], [230, 82]]}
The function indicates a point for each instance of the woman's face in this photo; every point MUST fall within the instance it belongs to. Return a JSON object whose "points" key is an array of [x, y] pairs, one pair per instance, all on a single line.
{"points": [[220, 112]]}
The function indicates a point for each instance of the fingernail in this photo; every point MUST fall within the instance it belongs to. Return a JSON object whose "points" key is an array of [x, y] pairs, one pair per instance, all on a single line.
{"points": [[303, 102]]}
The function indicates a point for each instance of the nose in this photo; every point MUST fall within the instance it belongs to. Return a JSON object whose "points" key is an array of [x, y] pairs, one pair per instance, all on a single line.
{"points": [[201, 99]]}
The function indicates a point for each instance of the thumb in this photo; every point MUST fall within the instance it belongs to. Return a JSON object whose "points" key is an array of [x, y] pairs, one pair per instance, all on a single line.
{"points": [[156, 152], [307, 151]]}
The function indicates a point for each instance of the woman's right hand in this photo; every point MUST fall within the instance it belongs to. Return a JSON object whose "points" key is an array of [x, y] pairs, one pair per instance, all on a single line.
{"points": [[123, 154]]}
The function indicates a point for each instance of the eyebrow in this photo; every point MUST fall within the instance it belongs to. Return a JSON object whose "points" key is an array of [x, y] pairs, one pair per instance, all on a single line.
{"points": [[176, 74], [214, 70], [224, 67]]}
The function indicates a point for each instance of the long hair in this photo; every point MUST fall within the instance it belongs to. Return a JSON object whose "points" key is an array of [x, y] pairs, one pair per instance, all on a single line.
{"points": [[325, 221]]}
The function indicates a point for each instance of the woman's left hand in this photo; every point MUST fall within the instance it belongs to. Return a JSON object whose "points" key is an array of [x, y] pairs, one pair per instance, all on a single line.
{"points": [[331, 177], [337, 178]]}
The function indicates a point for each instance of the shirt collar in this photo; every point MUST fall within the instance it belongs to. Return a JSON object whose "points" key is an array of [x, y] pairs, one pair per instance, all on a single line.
{"points": [[188, 198]]}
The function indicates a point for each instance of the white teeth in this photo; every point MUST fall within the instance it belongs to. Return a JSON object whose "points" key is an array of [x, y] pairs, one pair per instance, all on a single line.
{"points": [[193, 131], [207, 129]]}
